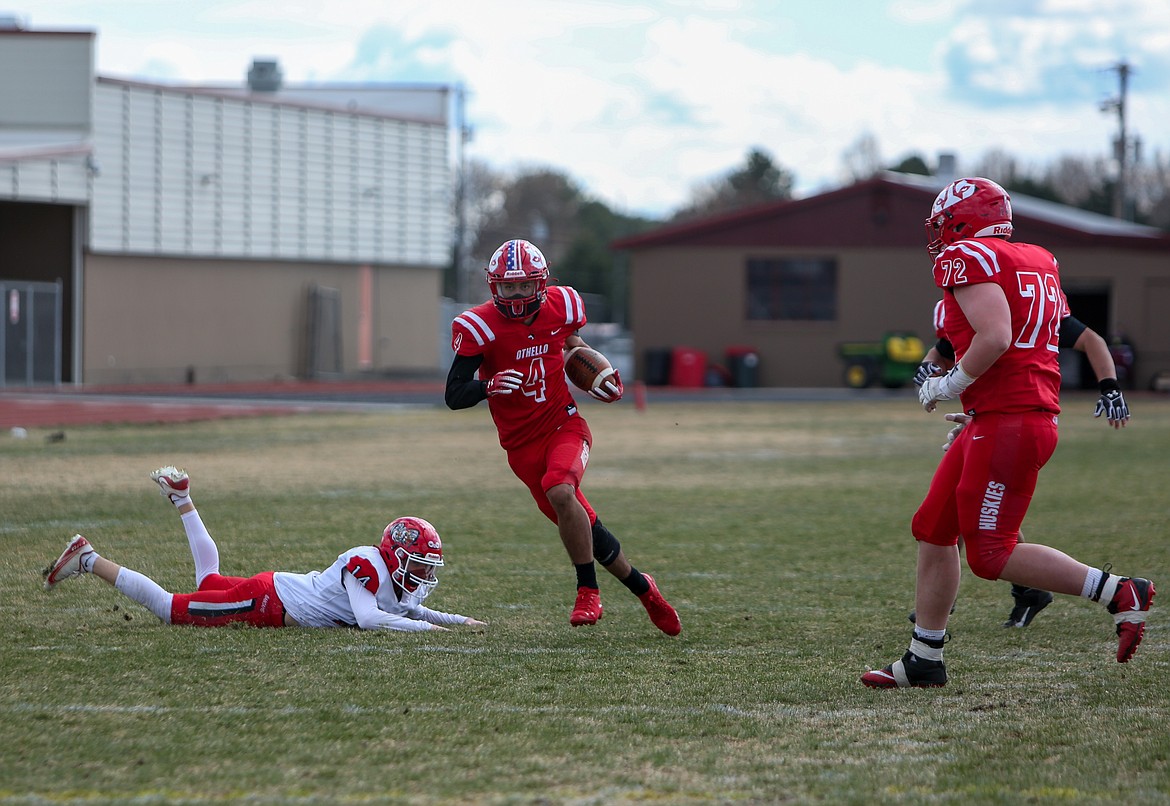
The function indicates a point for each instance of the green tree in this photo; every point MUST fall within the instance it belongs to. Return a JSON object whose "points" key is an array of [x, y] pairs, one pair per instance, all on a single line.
{"points": [[913, 164], [573, 231], [758, 180]]}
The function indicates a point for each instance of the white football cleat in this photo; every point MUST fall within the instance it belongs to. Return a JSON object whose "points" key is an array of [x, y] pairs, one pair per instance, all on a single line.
{"points": [[173, 483], [69, 564]]}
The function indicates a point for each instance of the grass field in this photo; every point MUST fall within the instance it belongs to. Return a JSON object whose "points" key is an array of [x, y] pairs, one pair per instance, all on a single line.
{"points": [[780, 531]]}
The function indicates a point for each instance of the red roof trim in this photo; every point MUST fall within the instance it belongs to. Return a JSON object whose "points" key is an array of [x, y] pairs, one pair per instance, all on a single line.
{"points": [[682, 233]]}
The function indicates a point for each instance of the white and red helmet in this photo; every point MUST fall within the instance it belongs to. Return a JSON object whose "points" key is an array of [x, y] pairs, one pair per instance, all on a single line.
{"points": [[518, 261], [968, 208], [413, 551]]}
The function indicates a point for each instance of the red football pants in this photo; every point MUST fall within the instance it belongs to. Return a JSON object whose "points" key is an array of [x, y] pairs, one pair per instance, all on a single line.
{"points": [[560, 458], [223, 600], [983, 486]]}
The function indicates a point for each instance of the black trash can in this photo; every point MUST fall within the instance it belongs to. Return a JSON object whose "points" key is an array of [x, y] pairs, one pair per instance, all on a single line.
{"points": [[744, 365], [656, 369]]}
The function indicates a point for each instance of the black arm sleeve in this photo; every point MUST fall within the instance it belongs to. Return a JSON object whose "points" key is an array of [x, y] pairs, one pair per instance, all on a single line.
{"points": [[1071, 329], [464, 390], [945, 349]]}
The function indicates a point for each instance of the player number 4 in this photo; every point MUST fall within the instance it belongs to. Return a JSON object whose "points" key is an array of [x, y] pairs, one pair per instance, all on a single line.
{"points": [[534, 383]]}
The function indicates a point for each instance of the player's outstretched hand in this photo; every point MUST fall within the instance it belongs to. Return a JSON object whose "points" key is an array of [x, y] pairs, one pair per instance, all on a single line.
{"points": [[926, 370], [962, 420], [610, 390], [1112, 404], [504, 382]]}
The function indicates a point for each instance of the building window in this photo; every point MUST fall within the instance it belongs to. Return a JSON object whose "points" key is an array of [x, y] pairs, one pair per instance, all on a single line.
{"points": [[792, 289]]}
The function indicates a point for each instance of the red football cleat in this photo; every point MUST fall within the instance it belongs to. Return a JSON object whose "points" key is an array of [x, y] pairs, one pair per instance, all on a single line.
{"points": [[1130, 606], [661, 613], [587, 609]]}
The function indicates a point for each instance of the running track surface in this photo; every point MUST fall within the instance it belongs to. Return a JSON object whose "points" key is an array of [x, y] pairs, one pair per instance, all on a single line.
{"points": [[71, 406]]}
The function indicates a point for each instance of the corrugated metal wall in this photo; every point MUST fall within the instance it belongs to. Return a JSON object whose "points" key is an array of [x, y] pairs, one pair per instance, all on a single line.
{"points": [[191, 173], [62, 180]]}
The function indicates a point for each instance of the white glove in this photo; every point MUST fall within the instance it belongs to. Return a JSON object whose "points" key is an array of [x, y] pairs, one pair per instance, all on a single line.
{"points": [[504, 382], [944, 387], [610, 390]]}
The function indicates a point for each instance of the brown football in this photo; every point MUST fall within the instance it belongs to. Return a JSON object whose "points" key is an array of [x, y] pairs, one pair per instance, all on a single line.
{"points": [[586, 368]]}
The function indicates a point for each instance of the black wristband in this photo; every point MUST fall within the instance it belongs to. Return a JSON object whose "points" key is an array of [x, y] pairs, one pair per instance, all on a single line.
{"points": [[1107, 385], [945, 349]]}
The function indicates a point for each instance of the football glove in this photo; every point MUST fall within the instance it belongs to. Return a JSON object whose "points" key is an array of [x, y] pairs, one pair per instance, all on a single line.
{"points": [[925, 370], [943, 387], [504, 382], [1112, 403], [610, 390]]}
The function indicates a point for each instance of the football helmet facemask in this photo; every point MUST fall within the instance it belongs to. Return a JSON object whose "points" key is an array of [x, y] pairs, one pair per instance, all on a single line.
{"points": [[413, 551], [968, 208], [518, 261]]}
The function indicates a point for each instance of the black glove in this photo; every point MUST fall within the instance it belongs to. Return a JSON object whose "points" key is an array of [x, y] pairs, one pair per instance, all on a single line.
{"points": [[1112, 403], [925, 370]]}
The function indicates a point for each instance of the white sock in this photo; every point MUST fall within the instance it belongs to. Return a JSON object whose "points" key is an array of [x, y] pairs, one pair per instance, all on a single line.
{"points": [[146, 592], [1092, 580], [203, 549], [87, 561]]}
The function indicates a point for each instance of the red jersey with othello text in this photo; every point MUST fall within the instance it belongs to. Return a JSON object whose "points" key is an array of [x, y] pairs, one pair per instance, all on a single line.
{"points": [[543, 403], [1027, 376]]}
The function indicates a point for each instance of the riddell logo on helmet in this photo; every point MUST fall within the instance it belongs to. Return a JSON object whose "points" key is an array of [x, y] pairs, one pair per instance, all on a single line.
{"points": [[1002, 229]]}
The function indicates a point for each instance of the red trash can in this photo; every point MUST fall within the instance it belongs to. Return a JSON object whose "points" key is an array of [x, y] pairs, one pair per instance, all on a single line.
{"points": [[688, 367]]}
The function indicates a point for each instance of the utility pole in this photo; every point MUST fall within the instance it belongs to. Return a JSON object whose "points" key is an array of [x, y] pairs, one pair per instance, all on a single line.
{"points": [[1121, 207]]}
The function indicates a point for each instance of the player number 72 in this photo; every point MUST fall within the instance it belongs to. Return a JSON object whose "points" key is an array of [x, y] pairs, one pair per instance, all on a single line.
{"points": [[1043, 323]]}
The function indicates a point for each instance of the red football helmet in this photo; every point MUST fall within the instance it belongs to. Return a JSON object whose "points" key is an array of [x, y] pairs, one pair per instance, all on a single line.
{"points": [[968, 208], [518, 261], [413, 551]]}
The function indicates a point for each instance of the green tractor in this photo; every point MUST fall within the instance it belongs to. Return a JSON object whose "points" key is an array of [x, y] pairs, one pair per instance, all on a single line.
{"points": [[891, 362]]}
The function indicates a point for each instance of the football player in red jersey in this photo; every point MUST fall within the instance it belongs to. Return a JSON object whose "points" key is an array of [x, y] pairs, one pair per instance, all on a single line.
{"points": [[379, 587], [1075, 334], [510, 352], [1002, 306]]}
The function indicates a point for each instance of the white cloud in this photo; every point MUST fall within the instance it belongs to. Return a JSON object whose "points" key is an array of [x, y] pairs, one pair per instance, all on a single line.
{"points": [[640, 102]]}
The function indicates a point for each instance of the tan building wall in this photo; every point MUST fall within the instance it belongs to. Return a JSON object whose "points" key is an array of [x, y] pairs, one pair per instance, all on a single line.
{"points": [[696, 297], [1139, 297], [155, 320], [688, 281]]}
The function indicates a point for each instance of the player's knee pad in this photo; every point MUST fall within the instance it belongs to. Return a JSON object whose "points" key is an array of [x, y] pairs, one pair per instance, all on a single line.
{"points": [[605, 546]]}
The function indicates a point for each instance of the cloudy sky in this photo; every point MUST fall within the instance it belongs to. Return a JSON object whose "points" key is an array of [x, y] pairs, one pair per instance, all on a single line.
{"points": [[643, 100]]}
